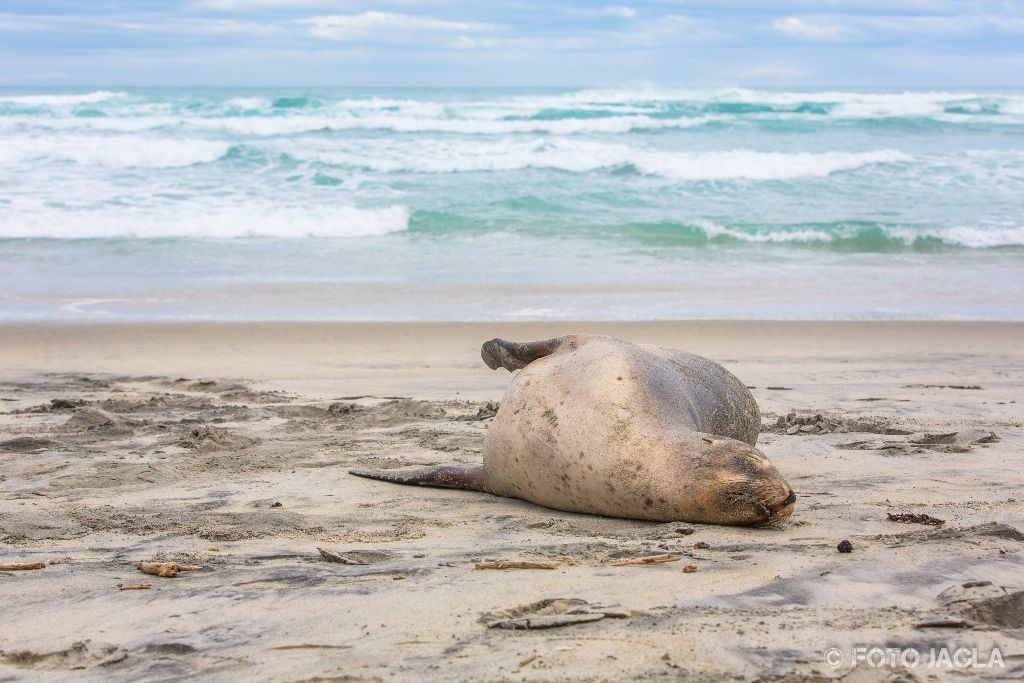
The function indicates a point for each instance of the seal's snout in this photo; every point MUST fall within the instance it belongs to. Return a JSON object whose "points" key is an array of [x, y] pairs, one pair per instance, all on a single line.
{"points": [[752, 492], [782, 510]]}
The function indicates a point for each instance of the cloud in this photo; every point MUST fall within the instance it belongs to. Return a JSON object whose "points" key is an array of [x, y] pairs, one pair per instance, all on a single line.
{"points": [[620, 11], [812, 28], [347, 26], [231, 5], [34, 23], [470, 43], [849, 27], [636, 36], [192, 26], [946, 24], [137, 24], [775, 70]]}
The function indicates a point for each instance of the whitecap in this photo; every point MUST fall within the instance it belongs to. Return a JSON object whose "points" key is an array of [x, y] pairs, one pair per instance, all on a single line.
{"points": [[54, 100], [712, 230], [119, 152], [754, 165], [578, 155], [248, 103], [982, 237]]}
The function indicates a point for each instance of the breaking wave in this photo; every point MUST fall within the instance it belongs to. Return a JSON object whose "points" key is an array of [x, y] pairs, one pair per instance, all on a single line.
{"points": [[582, 156], [134, 152]]}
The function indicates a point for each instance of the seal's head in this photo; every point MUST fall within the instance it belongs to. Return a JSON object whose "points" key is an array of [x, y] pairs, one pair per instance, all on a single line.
{"points": [[746, 488]]}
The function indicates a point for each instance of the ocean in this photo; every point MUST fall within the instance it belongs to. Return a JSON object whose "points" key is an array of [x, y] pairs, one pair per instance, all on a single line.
{"points": [[488, 204]]}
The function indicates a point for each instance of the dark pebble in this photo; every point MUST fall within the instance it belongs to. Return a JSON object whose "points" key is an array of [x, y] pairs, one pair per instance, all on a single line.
{"points": [[845, 546]]}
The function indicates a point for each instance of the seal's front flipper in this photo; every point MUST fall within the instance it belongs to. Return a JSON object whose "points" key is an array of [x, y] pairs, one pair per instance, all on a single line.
{"points": [[469, 477], [499, 353]]}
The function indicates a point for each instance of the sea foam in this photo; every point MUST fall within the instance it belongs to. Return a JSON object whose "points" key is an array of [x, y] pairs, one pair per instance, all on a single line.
{"points": [[214, 222], [134, 152]]}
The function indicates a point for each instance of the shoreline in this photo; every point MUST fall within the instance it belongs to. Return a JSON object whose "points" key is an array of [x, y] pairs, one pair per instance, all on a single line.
{"points": [[494, 277], [439, 359]]}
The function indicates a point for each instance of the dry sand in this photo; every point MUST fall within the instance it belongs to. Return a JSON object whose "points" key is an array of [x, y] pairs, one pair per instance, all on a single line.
{"points": [[122, 443]]}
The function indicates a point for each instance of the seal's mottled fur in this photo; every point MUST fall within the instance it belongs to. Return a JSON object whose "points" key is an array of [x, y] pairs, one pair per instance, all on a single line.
{"points": [[600, 425]]}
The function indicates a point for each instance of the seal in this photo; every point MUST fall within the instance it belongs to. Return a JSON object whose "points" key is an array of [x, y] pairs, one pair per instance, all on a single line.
{"points": [[599, 425]]}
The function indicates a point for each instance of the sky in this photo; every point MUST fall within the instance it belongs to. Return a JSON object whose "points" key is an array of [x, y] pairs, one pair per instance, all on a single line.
{"points": [[799, 43]]}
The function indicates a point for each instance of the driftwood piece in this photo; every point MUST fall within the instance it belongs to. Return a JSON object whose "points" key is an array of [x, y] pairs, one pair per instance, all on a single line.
{"points": [[547, 621], [166, 570], [650, 559], [133, 586], [515, 564], [945, 622], [550, 613], [19, 566], [526, 660]]}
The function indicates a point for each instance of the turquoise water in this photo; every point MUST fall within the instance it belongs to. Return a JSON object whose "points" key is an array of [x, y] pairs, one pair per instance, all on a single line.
{"points": [[510, 204]]}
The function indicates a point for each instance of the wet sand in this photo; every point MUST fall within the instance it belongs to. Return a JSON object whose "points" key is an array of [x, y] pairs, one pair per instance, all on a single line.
{"points": [[226, 446]]}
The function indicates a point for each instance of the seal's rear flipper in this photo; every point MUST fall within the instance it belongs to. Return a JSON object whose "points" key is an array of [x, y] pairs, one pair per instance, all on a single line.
{"points": [[470, 477], [499, 353]]}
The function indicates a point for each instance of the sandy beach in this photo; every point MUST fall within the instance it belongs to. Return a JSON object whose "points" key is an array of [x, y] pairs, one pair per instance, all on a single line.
{"points": [[226, 446]]}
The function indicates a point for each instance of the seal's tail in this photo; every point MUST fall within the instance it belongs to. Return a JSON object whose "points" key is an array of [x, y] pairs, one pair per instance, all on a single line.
{"points": [[500, 353], [469, 477]]}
